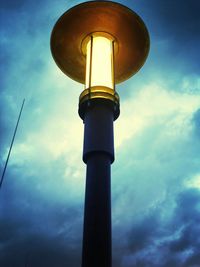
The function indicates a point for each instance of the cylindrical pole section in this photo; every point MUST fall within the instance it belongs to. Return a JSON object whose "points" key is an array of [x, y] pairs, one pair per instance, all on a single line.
{"points": [[97, 219], [98, 154]]}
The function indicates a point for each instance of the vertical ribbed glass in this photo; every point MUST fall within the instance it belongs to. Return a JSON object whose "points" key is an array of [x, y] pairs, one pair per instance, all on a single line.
{"points": [[99, 62]]}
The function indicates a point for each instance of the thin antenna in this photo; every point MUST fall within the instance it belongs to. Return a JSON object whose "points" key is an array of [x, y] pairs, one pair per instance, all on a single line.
{"points": [[4, 170]]}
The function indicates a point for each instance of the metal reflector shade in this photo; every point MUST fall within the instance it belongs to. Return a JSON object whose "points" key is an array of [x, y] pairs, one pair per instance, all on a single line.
{"points": [[77, 23]]}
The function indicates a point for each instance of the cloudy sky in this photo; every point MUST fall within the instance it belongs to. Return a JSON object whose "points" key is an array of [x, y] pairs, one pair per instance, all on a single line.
{"points": [[156, 174]]}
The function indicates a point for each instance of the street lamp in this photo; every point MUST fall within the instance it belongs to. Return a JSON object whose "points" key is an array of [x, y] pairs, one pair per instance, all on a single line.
{"points": [[99, 44]]}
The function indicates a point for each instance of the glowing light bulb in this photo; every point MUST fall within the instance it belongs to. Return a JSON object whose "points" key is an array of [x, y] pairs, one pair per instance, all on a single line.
{"points": [[99, 62]]}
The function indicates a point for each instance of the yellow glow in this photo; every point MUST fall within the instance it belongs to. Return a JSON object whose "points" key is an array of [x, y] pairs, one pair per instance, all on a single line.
{"points": [[101, 69]]}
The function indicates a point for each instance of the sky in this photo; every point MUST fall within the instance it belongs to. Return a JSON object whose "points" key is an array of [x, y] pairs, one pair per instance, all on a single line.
{"points": [[156, 173]]}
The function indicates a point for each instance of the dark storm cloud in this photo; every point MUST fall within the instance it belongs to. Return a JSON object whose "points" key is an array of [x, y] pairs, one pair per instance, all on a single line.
{"points": [[5, 58], [143, 233], [187, 219], [175, 243], [178, 23], [189, 238], [41, 250], [11, 5], [174, 42], [174, 31], [188, 206], [176, 20], [48, 233]]}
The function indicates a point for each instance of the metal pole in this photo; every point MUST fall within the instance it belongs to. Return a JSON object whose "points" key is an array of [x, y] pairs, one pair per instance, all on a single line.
{"points": [[4, 170], [98, 154]]}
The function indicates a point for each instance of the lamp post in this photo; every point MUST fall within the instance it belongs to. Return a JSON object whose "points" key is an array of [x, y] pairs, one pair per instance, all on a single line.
{"points": [[99, 44]]}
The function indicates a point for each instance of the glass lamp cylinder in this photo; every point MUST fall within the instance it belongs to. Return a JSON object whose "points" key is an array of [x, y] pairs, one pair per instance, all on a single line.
{"points": [[99, 62]]}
